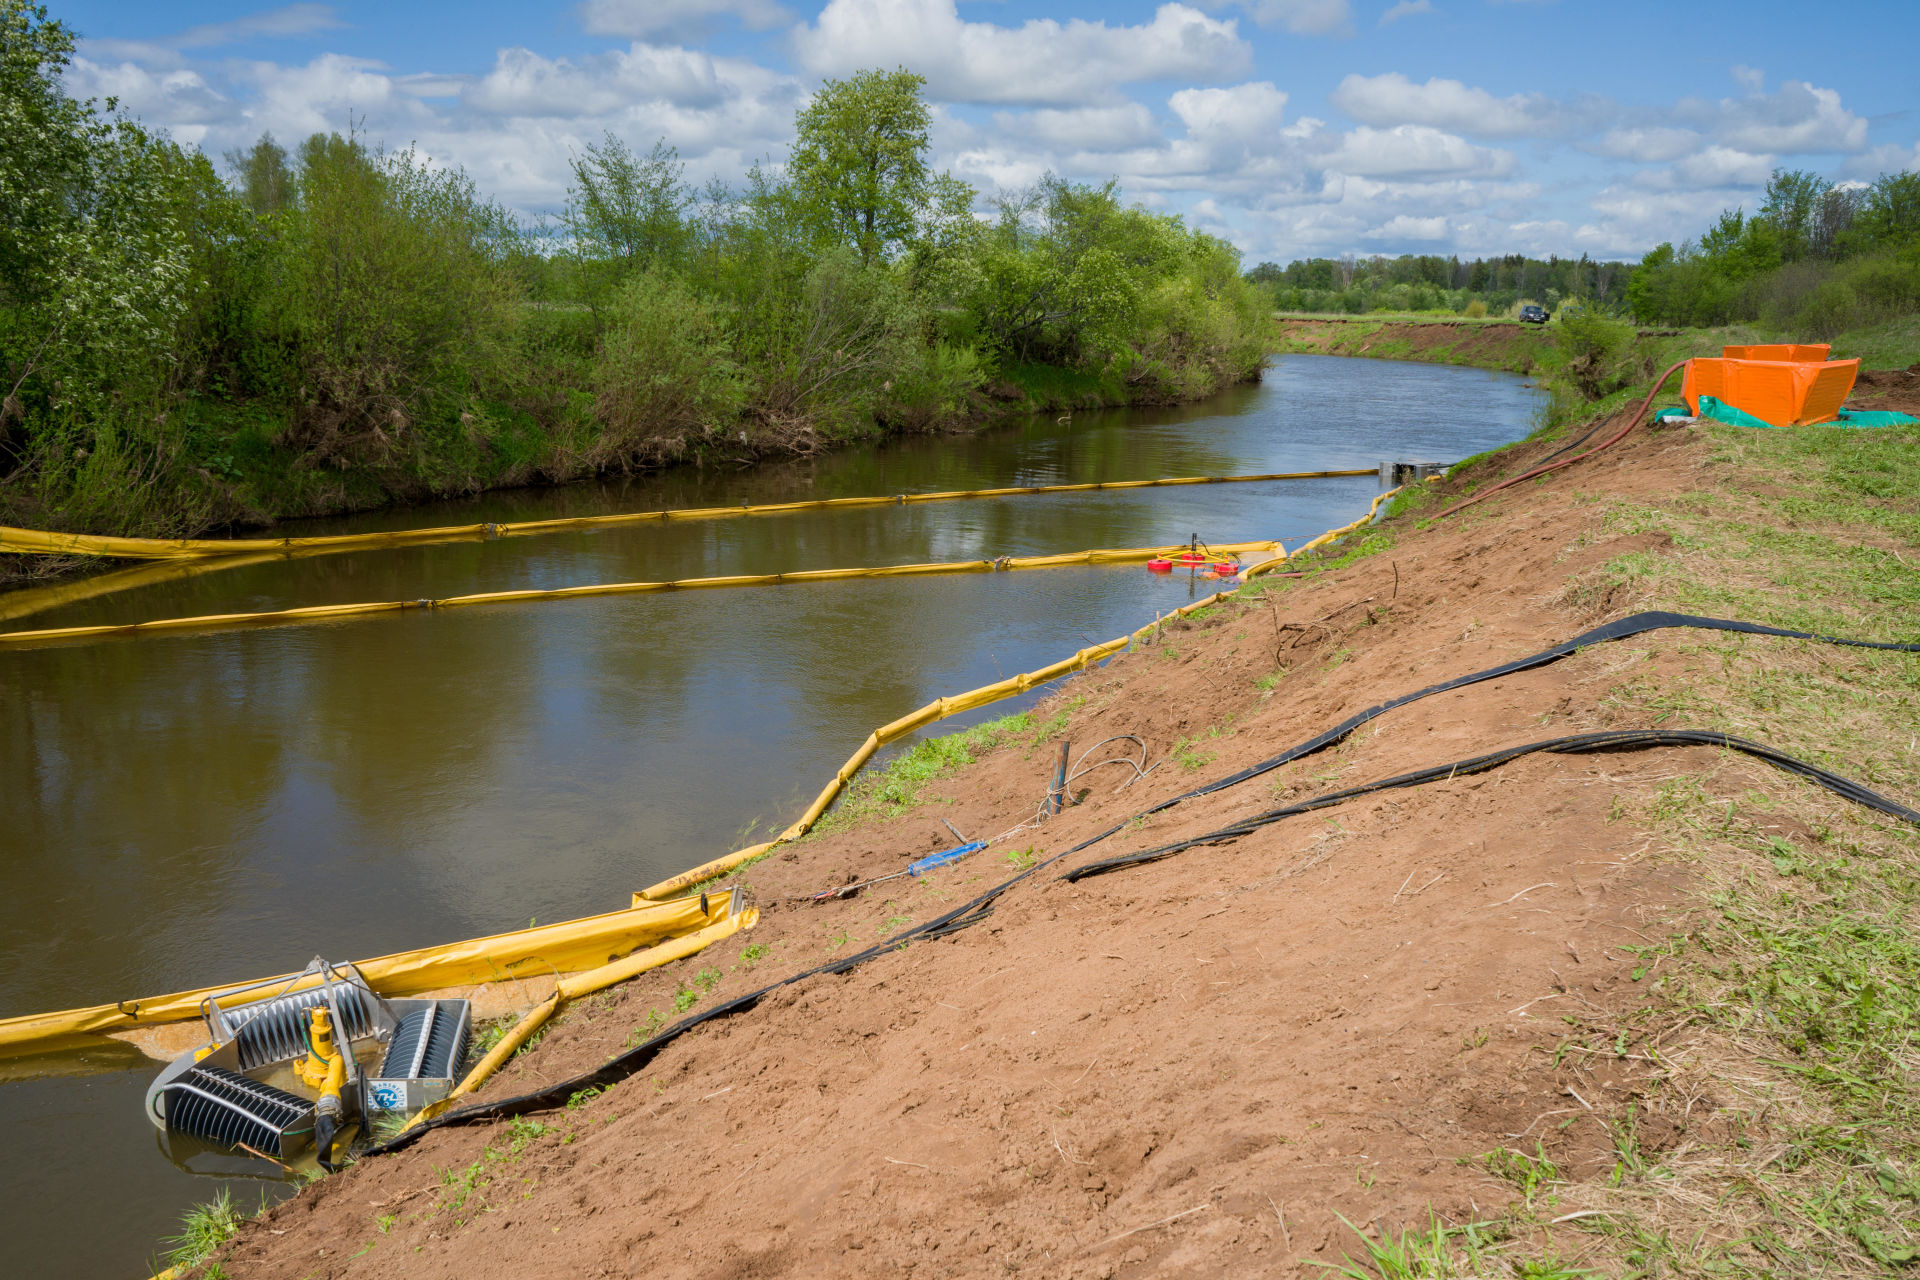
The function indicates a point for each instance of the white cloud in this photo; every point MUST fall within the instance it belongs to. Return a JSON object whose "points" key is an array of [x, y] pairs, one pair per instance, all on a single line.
{"points": [[180, 97], [1405, 9], [290, 20], [1245, 113], [1041, 61], [1403, 227], [166, 53], [1412, 150], [1752, 79], [1083, 128], [1891, 157], [1301, 17], [1393, 99], [1653, 145], [1797, 118], [677, 18], [522, 83], [1724, 167]]}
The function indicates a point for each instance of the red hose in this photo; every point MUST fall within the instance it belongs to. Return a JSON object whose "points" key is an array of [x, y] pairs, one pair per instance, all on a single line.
{"points": [[1632, 422]]}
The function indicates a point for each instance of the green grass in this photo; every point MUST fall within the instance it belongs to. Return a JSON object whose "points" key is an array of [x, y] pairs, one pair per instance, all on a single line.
{"points": [[1893, 345], [1789, 991], [203, 1229], [1467, 1252], [897, 787]]}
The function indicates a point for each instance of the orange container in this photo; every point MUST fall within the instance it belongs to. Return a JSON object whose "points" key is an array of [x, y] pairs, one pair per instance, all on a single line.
{"points": [[1802, 352], [1787, 393]]}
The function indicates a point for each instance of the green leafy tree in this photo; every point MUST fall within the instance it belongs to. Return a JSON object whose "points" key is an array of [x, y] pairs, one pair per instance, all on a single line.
{"points": [[263, 175], [1889, 216], [859, 163], [94, 261], [1793, 205], [628, 209]]}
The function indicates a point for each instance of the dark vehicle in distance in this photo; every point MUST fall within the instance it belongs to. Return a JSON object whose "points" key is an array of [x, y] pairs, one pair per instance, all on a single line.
{"points": [[1531, 314]]}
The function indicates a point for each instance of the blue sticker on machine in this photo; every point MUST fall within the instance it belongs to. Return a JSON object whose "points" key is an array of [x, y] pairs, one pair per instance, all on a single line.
{"points": [[387, 1095]]}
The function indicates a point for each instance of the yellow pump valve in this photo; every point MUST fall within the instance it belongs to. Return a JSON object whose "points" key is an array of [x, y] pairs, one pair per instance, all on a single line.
{"points": [[322, 1052]]}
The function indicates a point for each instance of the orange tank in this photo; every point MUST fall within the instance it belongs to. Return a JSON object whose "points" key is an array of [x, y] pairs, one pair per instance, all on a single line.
{"points": [[1785, 392], [1799, 352]]}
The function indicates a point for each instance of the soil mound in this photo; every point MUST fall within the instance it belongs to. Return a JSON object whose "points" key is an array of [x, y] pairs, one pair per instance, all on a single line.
{"points": [[1194, 1067]]}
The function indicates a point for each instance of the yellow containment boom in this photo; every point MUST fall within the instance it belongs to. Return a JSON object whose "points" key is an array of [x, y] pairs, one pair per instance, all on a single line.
{"points": [[941, 708], [335, 612], [40, 542], [568, 947]]}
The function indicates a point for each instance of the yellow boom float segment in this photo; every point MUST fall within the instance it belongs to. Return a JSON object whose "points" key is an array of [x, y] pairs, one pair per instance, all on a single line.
{"points": [[568, 947], [335, 612], [41, 542]]}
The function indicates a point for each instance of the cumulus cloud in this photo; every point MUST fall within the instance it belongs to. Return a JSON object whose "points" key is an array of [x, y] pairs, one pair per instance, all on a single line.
{"points": [[1413, 150], [1393, 99], [1041, 61], [1403, 227], [1797, 118], [1652, 145], [1083, 128], [1407, 164], [181, 97], [523, 83], [1724, 167], [1244, 113]]}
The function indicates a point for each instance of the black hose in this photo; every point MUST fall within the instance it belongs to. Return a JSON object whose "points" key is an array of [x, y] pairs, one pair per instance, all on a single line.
{"points": [[1608, 740], [636, 1059]]}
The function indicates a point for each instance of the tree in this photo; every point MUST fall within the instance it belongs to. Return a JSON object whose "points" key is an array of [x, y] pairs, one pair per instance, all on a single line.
{"points": [[1794, 198], [859, 162], [264, 179], [1889, 216], [93, 261], [628, 209]]}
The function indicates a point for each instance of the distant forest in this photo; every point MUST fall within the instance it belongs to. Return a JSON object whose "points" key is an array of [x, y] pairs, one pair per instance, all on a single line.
{"points": [[1817, 259], [1428, 282]]}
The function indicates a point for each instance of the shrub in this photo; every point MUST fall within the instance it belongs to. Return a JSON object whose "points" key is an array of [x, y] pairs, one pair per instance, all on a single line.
{"points": [[1592, 353], [389, 289], [662, 374]]}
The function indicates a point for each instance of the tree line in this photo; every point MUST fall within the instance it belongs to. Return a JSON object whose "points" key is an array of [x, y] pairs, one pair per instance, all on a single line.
{"points": [[333, 324], [1816, 260], [1430, 283]]}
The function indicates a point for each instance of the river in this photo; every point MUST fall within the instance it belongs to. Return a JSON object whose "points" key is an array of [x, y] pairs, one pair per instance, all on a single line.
{"points": [[198, 808]]}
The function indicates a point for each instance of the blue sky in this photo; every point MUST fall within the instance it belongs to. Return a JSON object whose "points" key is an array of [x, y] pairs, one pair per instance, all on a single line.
{"points": [[1291, 127]]}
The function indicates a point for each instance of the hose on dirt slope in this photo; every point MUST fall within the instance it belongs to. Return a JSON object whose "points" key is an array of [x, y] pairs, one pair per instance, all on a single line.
{"points": [[637, 1059], [1632, 421], [1572, 744]]}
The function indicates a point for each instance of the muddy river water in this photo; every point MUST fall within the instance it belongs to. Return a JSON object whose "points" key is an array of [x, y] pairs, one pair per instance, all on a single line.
{"points": [[198, 808]]}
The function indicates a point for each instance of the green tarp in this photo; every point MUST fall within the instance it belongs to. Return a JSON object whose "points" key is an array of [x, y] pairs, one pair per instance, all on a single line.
{"points": [[1722, 412]]}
